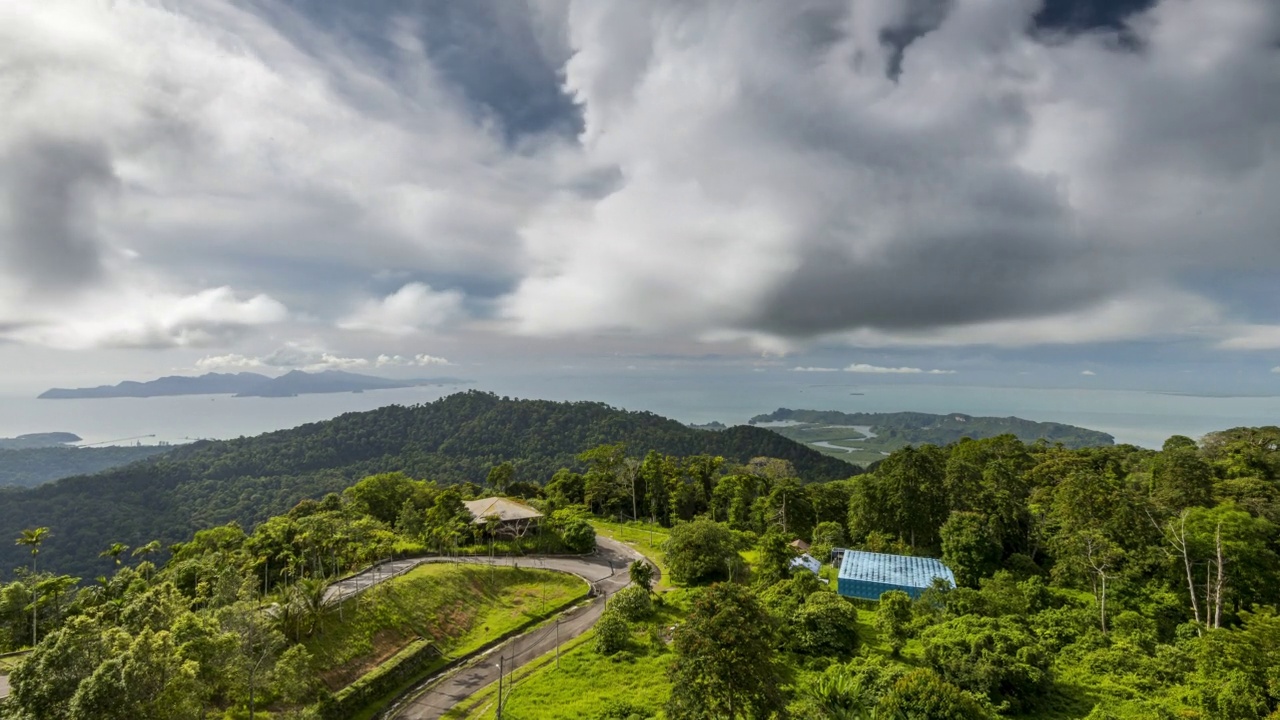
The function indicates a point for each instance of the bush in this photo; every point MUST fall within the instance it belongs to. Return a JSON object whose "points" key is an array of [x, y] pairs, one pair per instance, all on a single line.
{"points": [[922, 694], [632, 603], [613, 632], [578, 535]]}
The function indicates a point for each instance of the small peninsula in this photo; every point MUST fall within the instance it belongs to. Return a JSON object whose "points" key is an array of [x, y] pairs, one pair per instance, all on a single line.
{"points": [[867, 437], [246, 384]]}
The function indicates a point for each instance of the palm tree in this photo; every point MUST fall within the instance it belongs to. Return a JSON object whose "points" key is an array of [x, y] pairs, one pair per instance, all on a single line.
{"points": [[33, 538], [114, 552], [143, 551]]}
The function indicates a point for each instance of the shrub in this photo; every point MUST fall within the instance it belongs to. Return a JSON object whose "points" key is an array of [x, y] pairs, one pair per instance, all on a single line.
{"points": [[612, 632], [578, 535], [997, 657], [922, 694], [632, 603]]}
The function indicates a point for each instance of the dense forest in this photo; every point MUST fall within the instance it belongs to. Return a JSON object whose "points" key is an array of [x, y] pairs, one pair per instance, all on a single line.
{"points": [[453, 440], [35, 466], [1099, 583], [834, 432]]}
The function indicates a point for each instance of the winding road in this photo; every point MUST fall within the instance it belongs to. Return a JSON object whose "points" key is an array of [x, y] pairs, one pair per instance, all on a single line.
{"points": [[606, 570]]}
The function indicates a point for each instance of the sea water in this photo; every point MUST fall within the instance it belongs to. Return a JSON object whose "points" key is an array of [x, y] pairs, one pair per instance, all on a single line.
{"points": [[1138, 417]]}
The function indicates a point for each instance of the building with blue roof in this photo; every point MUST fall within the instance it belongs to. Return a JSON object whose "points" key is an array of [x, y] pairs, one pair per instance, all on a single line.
{"points": [[868, 575]]}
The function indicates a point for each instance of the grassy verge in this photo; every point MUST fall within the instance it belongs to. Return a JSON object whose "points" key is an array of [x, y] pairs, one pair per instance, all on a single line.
{"points": [[457, 608], [646, 538], [588, 684], [10, 662]]}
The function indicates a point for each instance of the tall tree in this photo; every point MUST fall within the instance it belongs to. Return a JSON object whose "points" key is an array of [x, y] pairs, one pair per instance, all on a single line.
{"points": [[33, 538], [725, 659]]}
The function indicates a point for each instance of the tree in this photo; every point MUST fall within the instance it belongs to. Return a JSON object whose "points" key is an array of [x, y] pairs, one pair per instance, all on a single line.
{"points": [[893, 619], [1180, 478], [501, 476], [826, 624], [114, 552], [826, 536], [382, 496], [699, 551], [576, 533], [148, 680], [724, 659], [775, 556], [997, 657], [33, 539], [641, 573], [967, 547]]}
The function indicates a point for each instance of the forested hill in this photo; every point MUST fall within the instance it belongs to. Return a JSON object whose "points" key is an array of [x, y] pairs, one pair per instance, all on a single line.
{"points": [[33, 466], [455, 439], [842, 434]]}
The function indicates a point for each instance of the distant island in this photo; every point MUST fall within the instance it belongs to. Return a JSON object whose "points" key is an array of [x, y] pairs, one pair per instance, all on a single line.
{"points": [[246, 384], [867, 437], [38, 440]]}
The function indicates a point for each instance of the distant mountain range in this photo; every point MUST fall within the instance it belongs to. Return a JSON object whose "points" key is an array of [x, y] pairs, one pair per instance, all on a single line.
{"points": [[868, 437], [246, 384]]}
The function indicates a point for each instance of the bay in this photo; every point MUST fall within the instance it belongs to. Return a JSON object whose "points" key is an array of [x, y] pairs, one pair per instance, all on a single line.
{"points": [[1138, 417]]}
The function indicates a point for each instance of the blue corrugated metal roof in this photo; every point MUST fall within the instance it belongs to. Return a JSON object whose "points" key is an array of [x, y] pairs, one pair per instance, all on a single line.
{"points": [[900, 570]]}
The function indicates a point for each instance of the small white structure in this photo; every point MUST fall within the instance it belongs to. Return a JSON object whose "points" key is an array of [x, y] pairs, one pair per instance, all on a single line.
{"points": [[807, 562]]}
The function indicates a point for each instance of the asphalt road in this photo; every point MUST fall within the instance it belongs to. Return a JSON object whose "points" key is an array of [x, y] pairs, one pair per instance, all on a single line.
{"points": [[4, 686], [606, 570]]}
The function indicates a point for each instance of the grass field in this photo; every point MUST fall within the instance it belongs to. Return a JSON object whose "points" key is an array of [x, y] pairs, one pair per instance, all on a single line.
{"points": [[459, 608], [587, 684]]}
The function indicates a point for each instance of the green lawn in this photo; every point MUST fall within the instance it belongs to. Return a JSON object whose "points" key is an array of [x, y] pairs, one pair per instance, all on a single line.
{"points": [[586, 683], [458, 607]]}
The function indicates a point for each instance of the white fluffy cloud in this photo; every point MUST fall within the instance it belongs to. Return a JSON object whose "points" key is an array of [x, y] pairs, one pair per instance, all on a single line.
{"points": [[412, 309], [780, 173], [298, 356], [1088, 373], [878, 370], [134, 319], [419, 360]]}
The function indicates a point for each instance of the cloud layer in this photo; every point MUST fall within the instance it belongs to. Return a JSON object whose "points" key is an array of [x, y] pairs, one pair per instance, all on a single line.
{"points": [[876, 174]]}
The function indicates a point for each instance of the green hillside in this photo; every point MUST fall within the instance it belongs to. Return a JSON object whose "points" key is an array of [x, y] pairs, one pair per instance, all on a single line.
{"points": [[455, 439], [29, 467], [868, 437]]}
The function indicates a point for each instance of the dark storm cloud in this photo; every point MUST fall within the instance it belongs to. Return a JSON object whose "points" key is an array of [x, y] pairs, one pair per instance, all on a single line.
{"points": [[488, 50], [51, 187]]}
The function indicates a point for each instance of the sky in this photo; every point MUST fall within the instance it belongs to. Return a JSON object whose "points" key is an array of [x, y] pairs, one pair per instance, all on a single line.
{"points": [[1071, 193]]}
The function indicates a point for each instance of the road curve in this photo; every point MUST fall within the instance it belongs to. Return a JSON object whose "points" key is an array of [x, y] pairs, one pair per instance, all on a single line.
{"points": [[606, 570]]}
